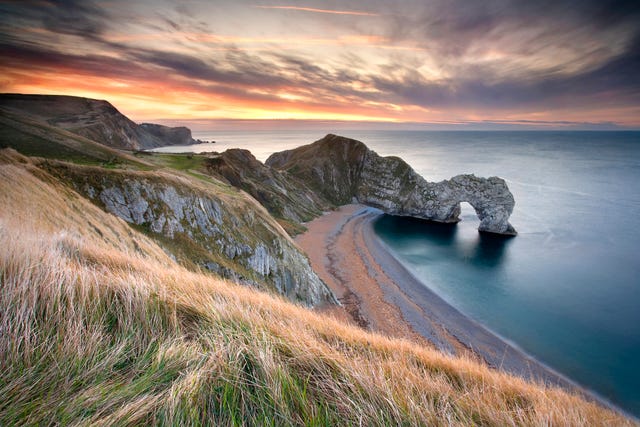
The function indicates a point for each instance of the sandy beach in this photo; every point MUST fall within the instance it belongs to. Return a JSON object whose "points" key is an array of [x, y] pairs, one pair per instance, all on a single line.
{"points": [[380, 294]]}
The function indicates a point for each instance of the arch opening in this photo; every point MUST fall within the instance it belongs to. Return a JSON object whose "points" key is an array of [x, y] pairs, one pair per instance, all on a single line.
{"points": [[468, 214]]}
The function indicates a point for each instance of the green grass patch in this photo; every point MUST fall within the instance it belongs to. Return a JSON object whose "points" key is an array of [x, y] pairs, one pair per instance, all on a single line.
{"points": [[181, 162], [192, 165]]}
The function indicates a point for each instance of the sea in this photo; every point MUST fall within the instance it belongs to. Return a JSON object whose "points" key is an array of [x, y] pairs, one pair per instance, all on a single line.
{"points": [[566, 290]]}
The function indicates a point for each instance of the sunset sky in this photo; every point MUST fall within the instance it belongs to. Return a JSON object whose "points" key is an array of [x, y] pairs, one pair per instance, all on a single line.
{"points": [[532, 63]]}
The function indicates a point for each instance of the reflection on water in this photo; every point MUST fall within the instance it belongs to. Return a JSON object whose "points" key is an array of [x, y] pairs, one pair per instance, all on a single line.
{"points": [[439, 233], [482, 250], [490, 249]]}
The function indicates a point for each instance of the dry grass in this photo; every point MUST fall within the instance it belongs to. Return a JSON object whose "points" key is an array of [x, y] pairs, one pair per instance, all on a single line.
{"points": [[99, 327]]}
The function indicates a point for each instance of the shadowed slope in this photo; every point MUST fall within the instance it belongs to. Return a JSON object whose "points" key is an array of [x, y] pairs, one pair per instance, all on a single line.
{"points": [[286, 197], [36, 138]]}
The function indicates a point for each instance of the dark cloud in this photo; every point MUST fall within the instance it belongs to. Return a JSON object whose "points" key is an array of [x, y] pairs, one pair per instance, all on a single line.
{"points": [[623, 73], [82, 18], [76, 17], [235, 67], [615, 81], [173, 24], [451, 26], [148, 65], [180, 18], [591, 47], [35, 58], [247, 72]]}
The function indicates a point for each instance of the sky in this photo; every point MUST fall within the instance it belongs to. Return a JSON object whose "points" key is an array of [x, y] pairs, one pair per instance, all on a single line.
{"points": [[457, 63]]}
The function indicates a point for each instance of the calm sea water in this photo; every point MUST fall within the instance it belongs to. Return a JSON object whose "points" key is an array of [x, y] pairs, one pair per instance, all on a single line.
{"points": [[567, 288]]}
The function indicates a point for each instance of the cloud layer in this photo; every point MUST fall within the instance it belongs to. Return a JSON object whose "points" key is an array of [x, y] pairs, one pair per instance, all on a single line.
{"points": [[411, 60]]}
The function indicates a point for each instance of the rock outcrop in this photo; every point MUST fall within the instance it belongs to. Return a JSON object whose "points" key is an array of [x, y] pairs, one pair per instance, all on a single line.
{"points": [[218, 229], [94, 119], [342, 170], [282, 194], [179, 135]]}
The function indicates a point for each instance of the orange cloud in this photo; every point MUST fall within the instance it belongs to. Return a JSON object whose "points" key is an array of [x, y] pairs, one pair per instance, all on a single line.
{"points": [[153, 99], [148, 100]]}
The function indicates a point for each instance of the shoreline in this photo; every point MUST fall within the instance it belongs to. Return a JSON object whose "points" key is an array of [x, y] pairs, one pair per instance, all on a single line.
{"points": [[380, 294]]}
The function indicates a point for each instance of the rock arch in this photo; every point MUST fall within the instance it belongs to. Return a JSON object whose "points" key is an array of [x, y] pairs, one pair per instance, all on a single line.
{"points": [[344, 170]]}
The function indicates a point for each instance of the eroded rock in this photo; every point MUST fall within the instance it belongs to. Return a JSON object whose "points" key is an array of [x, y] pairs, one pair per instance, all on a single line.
{"points": [[233, 236], [342, 170]]}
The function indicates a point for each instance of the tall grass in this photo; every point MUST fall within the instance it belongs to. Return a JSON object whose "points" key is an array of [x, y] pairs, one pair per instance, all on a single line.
{"points": [[95, 333]]}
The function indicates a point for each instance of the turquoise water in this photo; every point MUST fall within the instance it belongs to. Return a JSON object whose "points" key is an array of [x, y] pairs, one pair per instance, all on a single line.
{"points": [[567, 288]]}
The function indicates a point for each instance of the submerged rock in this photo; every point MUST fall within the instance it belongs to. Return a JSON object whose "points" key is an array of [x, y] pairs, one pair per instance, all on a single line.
{"points": [[342, 170]]}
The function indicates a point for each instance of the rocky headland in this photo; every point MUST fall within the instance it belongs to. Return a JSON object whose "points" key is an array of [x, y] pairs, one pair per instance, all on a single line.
{"points": [[189, 204], [297, 185], [285, 196], [179, 135], [344, 170]]}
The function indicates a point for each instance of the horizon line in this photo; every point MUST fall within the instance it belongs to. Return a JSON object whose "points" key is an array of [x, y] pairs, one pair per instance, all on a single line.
{"points": [[441, 125]]}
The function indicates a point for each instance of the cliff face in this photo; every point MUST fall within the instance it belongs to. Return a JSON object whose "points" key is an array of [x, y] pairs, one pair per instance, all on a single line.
{"points": [[202, 222], [94, 119], [331, 166], [343, 169], [222, 230]]}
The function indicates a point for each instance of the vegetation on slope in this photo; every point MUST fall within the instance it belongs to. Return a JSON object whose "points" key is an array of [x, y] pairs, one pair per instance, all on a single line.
{"points": [[33, 138], [330, 166], [30, 134], [203, 225], [203, 222], [93, 119], [100, 327], [39, 139]]}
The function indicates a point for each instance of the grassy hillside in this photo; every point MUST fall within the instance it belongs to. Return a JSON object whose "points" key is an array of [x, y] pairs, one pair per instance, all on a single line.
{"points": [[93, 119], [100, 327], [203, 224], [34, 138]]}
